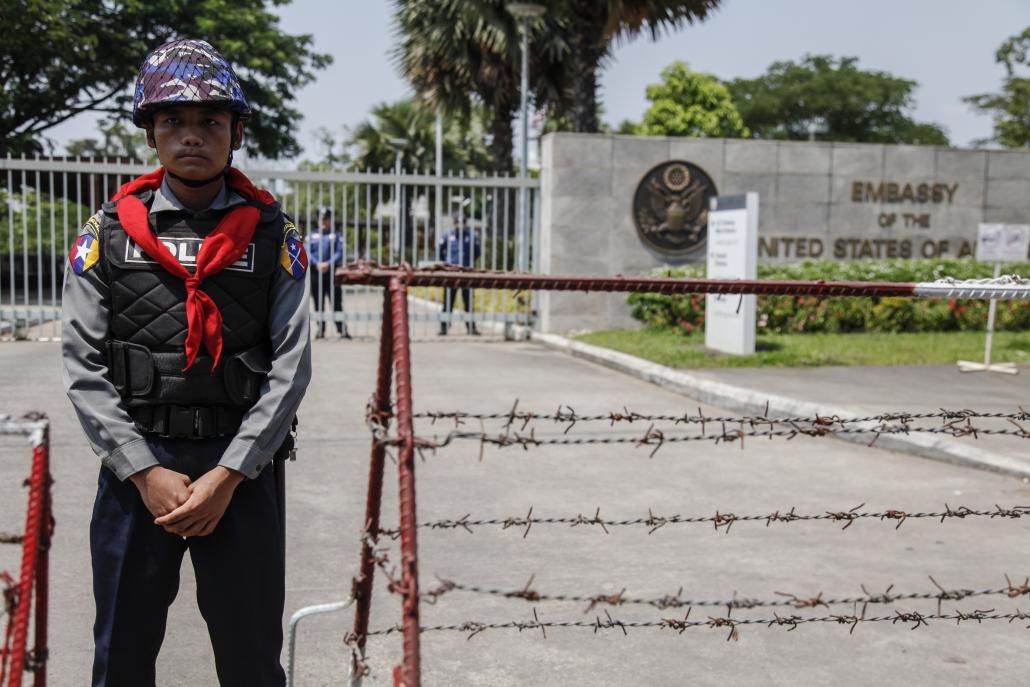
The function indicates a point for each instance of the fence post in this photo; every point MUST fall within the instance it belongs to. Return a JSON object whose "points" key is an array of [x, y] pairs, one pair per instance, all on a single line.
{"points": [[40, 652], [379, 411], [33, 537], [410, 670]]}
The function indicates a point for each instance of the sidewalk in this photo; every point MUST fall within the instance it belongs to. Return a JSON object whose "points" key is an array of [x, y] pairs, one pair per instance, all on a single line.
{"points": [[851, 392]]}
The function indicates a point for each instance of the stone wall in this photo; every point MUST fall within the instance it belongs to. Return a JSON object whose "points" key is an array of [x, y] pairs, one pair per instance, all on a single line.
{"points": [[827, 200]]}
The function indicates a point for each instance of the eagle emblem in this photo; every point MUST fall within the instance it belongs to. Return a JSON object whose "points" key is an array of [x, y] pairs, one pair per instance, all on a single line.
{"points": [[670, 207]]}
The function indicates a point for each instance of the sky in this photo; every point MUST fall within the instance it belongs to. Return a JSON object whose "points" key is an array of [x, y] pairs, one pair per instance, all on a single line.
{"points": [[949, 53]]}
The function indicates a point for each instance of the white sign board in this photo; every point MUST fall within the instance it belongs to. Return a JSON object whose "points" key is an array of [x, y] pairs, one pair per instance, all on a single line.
{"points": [[732, 254], [1003, 242]]}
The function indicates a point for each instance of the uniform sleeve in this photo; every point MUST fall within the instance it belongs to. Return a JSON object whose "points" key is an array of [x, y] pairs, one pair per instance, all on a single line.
{"points": [[266, 424], [85, 315], [338, 249]]}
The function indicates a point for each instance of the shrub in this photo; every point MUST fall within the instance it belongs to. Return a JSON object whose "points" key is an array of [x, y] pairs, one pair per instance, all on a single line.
{"points": [[793, 314]]}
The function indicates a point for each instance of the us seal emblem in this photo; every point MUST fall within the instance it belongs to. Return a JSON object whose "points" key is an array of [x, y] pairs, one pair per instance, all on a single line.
{"points": [[670, 207]]}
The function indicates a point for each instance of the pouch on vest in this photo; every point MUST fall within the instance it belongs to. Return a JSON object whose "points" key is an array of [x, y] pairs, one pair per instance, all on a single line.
{"points": [[243, 374], [132, 368], [145, 377]]}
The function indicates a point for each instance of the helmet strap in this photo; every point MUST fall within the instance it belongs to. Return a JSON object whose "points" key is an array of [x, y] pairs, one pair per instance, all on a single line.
{"points": [[232, 138]]}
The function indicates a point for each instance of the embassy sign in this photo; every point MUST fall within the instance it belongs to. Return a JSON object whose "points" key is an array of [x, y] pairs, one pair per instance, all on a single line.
{"points": [[617, 204]]}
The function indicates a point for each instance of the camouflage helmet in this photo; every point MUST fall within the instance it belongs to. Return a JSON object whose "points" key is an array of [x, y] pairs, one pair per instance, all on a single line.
{"points": [[186, 71]]}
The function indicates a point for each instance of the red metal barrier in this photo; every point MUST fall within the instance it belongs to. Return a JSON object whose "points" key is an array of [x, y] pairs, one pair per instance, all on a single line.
{"points": [[410, 672], [34, 571], [395, 352], [395, 358], [371, 274], [380, 407]]}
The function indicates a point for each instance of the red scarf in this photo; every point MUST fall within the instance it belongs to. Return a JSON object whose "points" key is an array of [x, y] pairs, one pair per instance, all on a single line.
{"points": [[222, 247]]}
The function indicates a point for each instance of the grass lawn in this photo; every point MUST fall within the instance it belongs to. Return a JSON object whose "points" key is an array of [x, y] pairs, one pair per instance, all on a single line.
{"points": [[808, 350], [487, 300]]}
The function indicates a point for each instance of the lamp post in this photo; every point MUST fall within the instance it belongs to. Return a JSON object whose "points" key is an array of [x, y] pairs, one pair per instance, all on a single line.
{"points": [[524, 13], [398, 145]]}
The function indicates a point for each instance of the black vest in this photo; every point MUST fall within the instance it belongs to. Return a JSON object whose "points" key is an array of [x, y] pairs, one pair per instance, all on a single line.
{"points": [[147, 332]]}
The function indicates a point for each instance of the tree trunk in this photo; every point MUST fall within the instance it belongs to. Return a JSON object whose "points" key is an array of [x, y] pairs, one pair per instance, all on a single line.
{"points": [[588, 44], [502, 161]]}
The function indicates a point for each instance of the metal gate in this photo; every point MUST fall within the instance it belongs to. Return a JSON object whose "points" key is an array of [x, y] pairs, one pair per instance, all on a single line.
{"points": [[387, 217]]}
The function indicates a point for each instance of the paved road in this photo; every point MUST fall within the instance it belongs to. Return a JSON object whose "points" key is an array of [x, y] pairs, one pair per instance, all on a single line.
{"points": [[326, 492], [899, 388]]}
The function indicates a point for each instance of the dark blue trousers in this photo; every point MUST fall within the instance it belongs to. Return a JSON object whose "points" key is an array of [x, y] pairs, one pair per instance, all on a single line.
{"points": [[239, 568]]}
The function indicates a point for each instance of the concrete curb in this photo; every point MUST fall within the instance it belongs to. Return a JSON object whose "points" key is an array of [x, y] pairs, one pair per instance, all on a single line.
{"points": [[750, 402]]}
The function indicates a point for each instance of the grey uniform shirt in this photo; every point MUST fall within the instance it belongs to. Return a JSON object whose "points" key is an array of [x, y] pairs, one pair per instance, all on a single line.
{"points": [[85, 321]]}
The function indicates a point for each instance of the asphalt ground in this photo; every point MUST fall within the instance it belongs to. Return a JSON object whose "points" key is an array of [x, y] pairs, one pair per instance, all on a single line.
{"points": [[326, 493], [900, 388]]}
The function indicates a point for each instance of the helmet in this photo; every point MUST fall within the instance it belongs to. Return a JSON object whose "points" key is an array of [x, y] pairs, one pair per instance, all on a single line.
{"points": [[186, 71]]}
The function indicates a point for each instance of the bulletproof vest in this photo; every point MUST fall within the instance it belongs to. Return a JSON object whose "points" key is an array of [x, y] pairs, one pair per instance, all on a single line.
{"points": [[148, 323]]}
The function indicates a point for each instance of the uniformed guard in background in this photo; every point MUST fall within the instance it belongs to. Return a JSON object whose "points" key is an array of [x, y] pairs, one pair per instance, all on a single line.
{"points": [[460, 246], [186, 355], [325, 254]]}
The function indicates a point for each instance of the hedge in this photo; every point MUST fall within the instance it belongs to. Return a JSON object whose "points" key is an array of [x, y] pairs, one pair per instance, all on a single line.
{"points": [[794, 314]]}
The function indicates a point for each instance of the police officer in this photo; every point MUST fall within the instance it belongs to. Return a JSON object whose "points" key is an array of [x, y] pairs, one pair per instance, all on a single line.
{"points": [[186, 355], [325, 254], [459, 246]]}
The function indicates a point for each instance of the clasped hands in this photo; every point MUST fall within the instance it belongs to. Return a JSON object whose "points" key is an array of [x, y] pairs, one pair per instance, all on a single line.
{"points": [[183, 507]]}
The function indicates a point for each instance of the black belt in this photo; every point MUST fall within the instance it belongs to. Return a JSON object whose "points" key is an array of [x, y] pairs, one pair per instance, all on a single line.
{"points": [[188, 422]]}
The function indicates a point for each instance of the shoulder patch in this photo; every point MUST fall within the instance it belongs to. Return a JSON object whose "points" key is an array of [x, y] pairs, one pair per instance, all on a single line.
{"points": [[85, 252], [292, 256]]}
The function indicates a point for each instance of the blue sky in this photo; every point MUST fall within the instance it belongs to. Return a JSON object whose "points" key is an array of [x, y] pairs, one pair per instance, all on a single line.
{"points": [[948, 52]]}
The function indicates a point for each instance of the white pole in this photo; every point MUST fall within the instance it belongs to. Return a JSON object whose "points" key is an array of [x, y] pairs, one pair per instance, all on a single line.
{"points": [[991, 309], [438, 229], [395, 237], [523, 235], [987, 365]]}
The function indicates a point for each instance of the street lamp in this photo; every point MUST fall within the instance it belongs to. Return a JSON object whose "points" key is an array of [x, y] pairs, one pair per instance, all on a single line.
{"points": [[524, 13], [398, 145]]}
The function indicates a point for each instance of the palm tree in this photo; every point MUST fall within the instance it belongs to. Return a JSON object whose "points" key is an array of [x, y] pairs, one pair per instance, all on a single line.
{"points": [[463, 142], [456, 52], [592, 26]]}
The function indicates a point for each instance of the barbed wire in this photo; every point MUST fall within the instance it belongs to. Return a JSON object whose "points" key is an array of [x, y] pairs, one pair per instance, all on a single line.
{"points": [[665, 601], [954, 423], [8, 538], [721, 520], [657, 438], [1003, 280], [568, 416], [912, 619]]}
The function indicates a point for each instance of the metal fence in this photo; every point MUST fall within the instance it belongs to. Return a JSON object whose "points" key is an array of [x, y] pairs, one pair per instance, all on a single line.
{"points": [[389, 217]]}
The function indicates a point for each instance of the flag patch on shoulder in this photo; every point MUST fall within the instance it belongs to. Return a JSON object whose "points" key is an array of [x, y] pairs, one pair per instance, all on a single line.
{"points": [[86, 251], [292, 256]]}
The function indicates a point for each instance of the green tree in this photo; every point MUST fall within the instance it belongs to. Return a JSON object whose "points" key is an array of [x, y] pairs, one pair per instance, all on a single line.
{"points": [[688, 103], [118, 140], [62, 57], [1010, 108], [464, 143], [457, 53], [847, 103], [591, 27]]}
